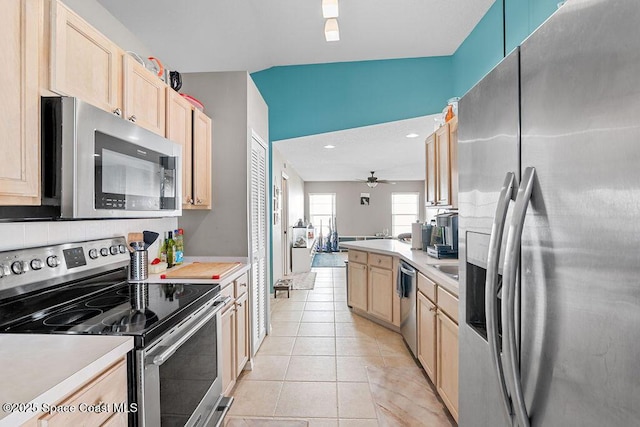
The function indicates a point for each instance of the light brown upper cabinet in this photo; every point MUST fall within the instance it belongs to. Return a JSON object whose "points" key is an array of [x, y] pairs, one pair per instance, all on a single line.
{"points": [[84, 63], [180, 130], [20, 107], [441, 180], [202, 131], [144, 97], [431, 197], [193, 130]]}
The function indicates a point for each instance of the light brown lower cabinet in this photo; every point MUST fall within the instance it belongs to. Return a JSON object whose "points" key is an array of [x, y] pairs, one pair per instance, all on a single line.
{"points": [[108, 387], [357, 285], [228, 321], [381, 287], [437, 312], [236, 346], [447, 362], [427, 335]]}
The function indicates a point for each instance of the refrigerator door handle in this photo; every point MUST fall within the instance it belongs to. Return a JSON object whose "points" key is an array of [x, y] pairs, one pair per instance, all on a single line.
{"points": [[491, 284], [511, 261]]}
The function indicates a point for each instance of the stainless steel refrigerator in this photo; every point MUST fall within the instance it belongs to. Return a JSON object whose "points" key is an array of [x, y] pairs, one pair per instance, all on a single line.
{"points": [[549, 161]]}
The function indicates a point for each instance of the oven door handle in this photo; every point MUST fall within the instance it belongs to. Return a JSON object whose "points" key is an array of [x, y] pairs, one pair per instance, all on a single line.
{"points": [[170, 350]]}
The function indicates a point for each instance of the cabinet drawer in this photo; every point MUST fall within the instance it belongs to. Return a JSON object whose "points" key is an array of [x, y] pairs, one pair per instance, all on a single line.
{"points": [[241, 284], [382, 261], [427, 287], [357, 256], [108, 388], [448, 303], [228, 291]]}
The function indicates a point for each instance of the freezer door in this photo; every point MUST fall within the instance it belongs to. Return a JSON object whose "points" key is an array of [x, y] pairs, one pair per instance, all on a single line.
{"points": [[488, 150], [580, 319]]}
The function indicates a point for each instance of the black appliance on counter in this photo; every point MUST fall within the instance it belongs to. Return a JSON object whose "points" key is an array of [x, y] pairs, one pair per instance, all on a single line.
{"points": [[174, 371], [446, 230]]}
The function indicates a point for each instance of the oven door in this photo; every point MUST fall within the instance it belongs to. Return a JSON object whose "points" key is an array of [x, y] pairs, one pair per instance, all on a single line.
{"points": [[110, 167], [181, 382]]}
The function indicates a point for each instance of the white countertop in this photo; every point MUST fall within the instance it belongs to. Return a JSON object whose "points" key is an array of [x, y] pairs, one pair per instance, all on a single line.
{"points": [[43, 369], [417, 258]]}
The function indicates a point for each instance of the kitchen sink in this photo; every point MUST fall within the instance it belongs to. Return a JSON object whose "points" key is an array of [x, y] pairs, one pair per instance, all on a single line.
{"points": [[449, 270]]}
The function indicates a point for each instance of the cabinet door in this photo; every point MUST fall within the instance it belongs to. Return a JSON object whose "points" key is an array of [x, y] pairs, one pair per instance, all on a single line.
{"points": [[84, 63], [19, 127], [442, 151], [144, 97], [202, 129], [427, 335], [447, 362], [357, 285], [228, 320], [381, 293], [453, 161], [242, 333], [431, 197], [179, 130]]}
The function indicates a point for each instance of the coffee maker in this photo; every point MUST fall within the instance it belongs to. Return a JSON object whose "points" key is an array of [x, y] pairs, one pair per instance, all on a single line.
{"points": [[446, 245]]}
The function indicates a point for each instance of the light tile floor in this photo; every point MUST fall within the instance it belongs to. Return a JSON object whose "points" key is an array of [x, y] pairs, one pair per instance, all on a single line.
{"points": [[312, 368]]}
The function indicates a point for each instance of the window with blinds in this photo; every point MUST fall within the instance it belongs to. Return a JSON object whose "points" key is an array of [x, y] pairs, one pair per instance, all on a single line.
{"points": [[322, 210], [404, 211]]}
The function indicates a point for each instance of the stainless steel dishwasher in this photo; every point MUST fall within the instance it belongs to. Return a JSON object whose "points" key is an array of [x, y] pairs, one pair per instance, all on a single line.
{"points": [[406, 289]]}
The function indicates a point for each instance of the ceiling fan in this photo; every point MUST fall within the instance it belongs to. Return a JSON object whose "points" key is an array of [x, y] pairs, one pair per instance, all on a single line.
{"points": [[372, 181]]}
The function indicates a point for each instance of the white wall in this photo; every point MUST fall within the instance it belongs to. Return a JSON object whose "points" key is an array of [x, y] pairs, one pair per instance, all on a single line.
{"points": [[355, 219], [296, 207], [17, 235]]}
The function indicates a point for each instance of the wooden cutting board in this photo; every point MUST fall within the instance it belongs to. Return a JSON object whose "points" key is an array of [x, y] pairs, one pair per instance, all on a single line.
{"points": [[202, 270]]}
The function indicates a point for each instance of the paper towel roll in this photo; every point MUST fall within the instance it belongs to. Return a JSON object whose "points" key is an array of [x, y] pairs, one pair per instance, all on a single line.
{"points": [[416, 235]]}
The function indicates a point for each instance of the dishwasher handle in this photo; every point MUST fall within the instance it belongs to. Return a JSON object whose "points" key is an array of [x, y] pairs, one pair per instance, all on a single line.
{"points": [[407, 269]]}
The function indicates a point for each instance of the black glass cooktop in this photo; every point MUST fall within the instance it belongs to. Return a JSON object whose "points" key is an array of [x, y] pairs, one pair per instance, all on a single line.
{"points": [[105, 306]]}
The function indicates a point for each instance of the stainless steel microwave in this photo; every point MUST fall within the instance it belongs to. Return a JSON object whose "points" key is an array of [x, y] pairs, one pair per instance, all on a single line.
{"points": [[98, 165]]}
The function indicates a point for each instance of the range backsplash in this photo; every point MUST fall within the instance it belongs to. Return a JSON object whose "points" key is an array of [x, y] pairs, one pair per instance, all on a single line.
{"points": [[16, 235]]}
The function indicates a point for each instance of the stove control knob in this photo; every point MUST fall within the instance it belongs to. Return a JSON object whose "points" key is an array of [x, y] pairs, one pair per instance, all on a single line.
{"points": [[122, 249], [113, 250], [104, 251], [53, 261], [36, 264], [93, 253], [4, 270], [18, 267]]}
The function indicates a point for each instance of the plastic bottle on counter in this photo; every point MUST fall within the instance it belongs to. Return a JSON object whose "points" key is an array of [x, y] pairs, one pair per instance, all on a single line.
{"points": [[171, 250], [179, 239]]}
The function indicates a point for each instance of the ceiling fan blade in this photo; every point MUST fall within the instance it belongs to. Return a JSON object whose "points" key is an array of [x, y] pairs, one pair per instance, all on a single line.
{"points": [[384, 181]]}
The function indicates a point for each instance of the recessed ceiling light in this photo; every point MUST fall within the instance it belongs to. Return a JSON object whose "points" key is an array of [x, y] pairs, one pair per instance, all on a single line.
{"points": [[329, 146], [330, 8], [412, 135], [331, 30]]}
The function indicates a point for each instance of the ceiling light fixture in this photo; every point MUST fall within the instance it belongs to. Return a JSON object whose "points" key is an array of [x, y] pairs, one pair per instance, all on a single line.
{"points": [[329, 146], [330, 8], [372, 184], [331, 31], [412, 135]]}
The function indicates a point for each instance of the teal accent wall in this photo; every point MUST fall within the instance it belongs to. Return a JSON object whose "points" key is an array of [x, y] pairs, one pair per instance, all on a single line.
{"points": [[311, 99]]}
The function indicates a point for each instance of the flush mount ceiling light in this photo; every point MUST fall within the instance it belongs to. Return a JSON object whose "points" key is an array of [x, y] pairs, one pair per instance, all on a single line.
{"points": [[330, 8], [331, 31], [412, 135], [329, 146]]}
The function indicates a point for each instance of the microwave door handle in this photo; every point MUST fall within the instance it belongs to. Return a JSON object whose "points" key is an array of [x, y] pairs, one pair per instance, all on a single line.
{"points": [[491, 284], [511, 261]]}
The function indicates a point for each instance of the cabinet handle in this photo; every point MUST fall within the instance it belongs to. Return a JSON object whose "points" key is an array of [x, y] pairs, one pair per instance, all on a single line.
{"points": [[189, 200], [198, 201], [132, 118], [117, 112], [433, 308], [379, 261], [239, 304]]}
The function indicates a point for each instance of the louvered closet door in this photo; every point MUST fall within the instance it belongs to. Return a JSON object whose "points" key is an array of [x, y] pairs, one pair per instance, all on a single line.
{"points": [[260, 294]]}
